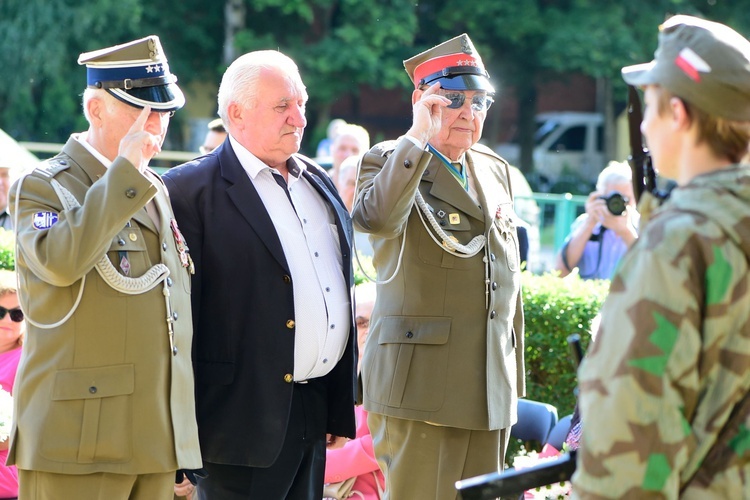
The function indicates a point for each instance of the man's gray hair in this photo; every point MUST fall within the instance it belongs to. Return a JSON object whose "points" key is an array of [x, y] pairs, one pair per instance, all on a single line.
{"points": [[616, 172], [240, 81]]}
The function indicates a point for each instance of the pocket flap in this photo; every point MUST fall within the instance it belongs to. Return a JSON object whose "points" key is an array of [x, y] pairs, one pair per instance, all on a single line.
{"points": [[414, 330], [128, 240], [100, 382]]}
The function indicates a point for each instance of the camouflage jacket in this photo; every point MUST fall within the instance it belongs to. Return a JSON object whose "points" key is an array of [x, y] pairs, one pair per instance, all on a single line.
{"points": [[672, 359]]}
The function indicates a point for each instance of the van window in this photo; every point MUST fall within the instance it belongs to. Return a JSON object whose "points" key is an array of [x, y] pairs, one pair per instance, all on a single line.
{"points": [[600, 138], [573, 139]]}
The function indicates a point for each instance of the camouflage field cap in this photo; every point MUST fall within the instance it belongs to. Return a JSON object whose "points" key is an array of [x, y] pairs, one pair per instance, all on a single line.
{"points": [[454, 63], [136, 73], [703, 62]]}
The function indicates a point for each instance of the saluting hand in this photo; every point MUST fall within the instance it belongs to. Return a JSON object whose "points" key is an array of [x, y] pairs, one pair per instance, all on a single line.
{"points": [[139, 146], [428, 114]]}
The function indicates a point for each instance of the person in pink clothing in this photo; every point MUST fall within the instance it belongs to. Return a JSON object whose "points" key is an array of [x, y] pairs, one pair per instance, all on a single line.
{"points": [[11, 335], [357, 457]]}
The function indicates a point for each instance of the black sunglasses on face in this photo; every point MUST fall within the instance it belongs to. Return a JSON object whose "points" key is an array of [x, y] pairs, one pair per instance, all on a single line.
{"points": [[16, 314]]}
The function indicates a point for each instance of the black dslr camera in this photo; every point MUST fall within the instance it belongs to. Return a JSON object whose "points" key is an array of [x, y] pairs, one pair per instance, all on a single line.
{"points": [[616, 203]]}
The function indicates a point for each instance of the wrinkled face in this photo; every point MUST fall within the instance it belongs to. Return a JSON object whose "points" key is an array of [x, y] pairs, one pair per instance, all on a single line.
{"points": [[10, 330], [461, 127], [343, 147], [272, 128], [118, 117]]}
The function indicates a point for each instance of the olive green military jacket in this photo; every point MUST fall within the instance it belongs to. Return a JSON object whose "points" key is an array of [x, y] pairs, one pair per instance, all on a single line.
{"points": [[446, 334], [102, 391]]}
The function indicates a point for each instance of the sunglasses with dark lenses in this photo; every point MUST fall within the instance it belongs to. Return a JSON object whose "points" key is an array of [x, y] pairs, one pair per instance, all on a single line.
{"points": [[479, 102], [16, 314]]}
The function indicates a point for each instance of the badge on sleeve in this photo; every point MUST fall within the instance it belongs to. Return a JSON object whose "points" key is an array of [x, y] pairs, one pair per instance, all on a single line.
{"points": [[44, 220]]}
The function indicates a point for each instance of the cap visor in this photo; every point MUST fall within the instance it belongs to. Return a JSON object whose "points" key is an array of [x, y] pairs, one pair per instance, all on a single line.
{"points": [[465, 82], [639, 74], [160, 98]]}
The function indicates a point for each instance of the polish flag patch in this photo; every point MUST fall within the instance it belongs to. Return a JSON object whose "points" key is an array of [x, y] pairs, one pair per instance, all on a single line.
{"points": [[692, 64]]}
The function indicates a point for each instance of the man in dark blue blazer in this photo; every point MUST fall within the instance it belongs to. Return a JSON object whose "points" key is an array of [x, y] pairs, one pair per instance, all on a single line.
{"points": [[274, 353]]}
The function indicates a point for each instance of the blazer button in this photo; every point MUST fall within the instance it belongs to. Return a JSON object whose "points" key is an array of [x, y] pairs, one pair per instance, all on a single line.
{"points": [[92, 389], [492, 315], [169, 281], [130, 193], [164, 246], [494, 285], [407, 163], [288, 378], [287, 279], [409, 335], [290, 323], [174, 316]]}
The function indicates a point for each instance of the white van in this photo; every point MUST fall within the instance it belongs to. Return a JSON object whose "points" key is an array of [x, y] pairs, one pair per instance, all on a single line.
{"points": [[564, 142]]}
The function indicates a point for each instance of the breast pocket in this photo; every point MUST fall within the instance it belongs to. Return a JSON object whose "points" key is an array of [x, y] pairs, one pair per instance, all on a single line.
{"points": [[128, 255], [90, 415], [410, 365]]}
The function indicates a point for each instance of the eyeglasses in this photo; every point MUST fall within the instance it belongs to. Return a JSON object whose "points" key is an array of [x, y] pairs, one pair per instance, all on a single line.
{"points": [[479, 102], [16, 314], [360, 321]]}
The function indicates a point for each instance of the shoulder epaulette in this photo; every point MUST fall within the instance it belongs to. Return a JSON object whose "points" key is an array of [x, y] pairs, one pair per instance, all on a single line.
{"points": [[52, 167], [481, 148], [384, 148]]}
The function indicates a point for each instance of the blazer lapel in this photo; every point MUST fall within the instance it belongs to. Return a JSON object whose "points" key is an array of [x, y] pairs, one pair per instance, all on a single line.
{"points": [[246, 199]]}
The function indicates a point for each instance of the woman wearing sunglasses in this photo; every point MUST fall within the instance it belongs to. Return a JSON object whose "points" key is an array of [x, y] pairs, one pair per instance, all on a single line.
{"points": [[11, 336]]}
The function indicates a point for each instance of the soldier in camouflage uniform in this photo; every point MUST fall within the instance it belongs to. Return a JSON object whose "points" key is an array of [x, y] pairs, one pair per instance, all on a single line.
{"points": [[664, 389]]}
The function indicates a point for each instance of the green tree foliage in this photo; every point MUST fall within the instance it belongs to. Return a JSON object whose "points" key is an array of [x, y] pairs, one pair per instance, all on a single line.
{"points": [[339, 45], [41, 39]]}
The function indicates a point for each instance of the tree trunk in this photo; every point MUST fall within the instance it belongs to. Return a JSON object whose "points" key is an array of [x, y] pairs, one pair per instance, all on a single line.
{"points": [[234, 21]]}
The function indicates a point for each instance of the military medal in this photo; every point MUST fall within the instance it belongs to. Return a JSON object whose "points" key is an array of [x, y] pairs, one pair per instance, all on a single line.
{"points": [[182, 247], [454, 219], [124, 263]]}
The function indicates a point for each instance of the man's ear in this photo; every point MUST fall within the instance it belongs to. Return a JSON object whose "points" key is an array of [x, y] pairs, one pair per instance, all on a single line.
{"points": [[236, 115], [416, 95], [95, 108], [680, 117]]}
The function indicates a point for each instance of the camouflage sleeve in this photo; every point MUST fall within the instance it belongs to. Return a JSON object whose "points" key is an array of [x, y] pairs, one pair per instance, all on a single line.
{"points": [[664, 344]]}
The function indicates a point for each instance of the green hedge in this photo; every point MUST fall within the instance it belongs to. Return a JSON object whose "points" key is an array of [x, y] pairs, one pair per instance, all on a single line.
{"points": [[555, 308], [7, 250]]}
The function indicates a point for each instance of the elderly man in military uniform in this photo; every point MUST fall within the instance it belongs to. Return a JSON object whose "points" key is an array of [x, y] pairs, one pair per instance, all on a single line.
{"points": [[443, 365], [104, 399]]}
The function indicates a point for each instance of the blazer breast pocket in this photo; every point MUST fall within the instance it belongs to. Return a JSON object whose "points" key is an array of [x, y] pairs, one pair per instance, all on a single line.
{"points": [[409, 367]]}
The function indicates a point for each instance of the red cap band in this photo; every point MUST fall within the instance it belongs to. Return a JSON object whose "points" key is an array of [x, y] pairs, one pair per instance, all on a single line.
{"points": [[438, 63]]}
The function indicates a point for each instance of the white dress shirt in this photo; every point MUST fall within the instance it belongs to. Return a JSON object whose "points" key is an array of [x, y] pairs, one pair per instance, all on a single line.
{"points": [[307, 230]]}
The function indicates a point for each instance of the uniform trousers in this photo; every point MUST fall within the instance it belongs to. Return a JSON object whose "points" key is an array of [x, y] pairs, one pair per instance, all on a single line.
{"points": [[423, 461], [37, 485], [297, 473]]}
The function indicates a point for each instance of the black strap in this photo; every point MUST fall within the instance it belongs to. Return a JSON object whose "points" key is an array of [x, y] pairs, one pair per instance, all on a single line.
{"points": [[128, 84]]}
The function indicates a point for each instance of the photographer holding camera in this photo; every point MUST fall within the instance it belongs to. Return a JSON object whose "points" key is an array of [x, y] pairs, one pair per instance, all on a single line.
{"points": [[600, 237]]}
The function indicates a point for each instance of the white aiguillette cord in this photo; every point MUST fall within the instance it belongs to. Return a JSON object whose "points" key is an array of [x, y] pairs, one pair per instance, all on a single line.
{"points": [[477, 244], [123, 284]]}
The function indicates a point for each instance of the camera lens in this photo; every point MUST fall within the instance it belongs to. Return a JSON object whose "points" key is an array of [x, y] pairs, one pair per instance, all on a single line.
{"points": [[616, 203]]}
